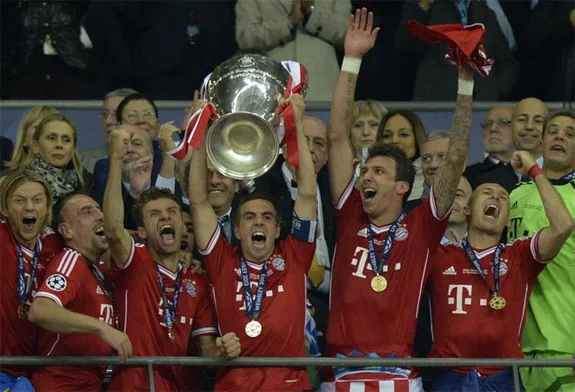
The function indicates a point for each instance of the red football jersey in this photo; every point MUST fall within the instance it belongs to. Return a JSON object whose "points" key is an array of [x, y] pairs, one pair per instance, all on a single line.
{"points": [[282, 316], [70, 283], [18, 336], [142, 319], [364, 322], [464, 325]]}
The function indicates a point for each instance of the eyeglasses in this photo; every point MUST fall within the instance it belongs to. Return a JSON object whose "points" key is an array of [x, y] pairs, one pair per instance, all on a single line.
{"points": [[133, 116], [501, 122]]}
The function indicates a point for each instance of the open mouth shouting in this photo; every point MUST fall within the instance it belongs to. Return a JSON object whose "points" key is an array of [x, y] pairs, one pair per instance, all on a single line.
{"points": [[168, 234], [99, 231], [491, 211], [368, 193], [259, 239], [558, 148], [29, 222]]}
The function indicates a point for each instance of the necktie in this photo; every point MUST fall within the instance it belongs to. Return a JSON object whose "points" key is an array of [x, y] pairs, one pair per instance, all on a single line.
{"points": [[225, 224]]}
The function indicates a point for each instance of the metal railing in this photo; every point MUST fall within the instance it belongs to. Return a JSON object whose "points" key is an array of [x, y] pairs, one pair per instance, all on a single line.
{"points": [[150, 362], [310, 106]]}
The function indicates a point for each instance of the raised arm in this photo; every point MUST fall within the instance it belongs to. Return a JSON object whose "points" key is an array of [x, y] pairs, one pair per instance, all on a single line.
{"points": [[449, 174], [360, 38], [561, 225], [203, 215], [118, 237], [305, 206]]}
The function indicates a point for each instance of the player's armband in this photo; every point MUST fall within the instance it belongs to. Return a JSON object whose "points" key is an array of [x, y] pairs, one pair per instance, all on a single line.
{"points": [[303, 230]]}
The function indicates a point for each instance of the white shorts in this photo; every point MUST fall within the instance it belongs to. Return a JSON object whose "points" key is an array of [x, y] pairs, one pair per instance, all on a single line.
{"points": [[403, 385]]}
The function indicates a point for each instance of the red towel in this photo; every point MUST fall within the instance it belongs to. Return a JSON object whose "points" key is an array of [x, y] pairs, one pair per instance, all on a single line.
{"points": [[465, 43]]}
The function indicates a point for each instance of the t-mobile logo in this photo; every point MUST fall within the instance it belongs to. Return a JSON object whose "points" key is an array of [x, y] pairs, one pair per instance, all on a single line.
{"points": [[459, 300]]}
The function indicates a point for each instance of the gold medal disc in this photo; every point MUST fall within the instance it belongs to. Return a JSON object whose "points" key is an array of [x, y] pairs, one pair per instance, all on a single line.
{"points": [[23, 311], [170, 335], [497, 302], [378, 283], [253, 329]]}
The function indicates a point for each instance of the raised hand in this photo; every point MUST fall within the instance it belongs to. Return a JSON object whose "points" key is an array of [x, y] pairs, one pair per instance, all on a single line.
{"points": [[119, 140], [197, 104], [298, 105], [229, 345], [361, 35], [522, 161], [118, 340], [166, 136], [140, 175]]}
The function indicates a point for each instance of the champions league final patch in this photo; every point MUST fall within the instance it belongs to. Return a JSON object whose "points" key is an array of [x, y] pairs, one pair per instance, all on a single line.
{"points": [[56, 282]]}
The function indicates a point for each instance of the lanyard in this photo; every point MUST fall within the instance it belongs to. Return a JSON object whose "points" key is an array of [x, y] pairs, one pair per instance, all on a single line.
{"points": [[169, 311], [103, 282], [253, 308], [496, 263], [24, 289], [373, 261]]}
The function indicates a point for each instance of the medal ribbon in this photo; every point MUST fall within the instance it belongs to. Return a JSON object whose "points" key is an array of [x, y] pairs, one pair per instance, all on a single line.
{"points": [[373, 260], [253, 308], [475, 262], [169, 311], [103, 282], [23, 289]]}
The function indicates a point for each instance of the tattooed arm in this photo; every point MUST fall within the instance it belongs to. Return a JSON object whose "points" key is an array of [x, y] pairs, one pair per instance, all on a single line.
{"points": [[360, 38], [447, 179]]}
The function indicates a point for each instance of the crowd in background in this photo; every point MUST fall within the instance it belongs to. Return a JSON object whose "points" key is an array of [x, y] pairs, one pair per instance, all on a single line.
{"points": [[81, 50]]}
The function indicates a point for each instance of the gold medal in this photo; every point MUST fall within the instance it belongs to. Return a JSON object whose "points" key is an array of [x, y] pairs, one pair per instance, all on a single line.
{"points": [[23, 311], [378, 283], [170, 335], [497, 302], [253, 329]]}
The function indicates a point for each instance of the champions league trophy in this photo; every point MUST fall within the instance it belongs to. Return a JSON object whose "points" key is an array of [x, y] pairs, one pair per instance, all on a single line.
{"points": [[245, 91]]}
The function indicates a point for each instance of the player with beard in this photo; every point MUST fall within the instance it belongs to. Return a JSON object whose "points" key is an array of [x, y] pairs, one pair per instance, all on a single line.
{"points": [[27, 248], [260, 288], [75, 306], [480, 288], [161, 305], [383, 255], [548, 331]]}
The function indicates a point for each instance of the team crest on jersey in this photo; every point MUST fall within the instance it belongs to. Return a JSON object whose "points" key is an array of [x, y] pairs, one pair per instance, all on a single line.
{"points": [[503, 267], [190, 288], [279, 264], [401, 234], [56, 282]]}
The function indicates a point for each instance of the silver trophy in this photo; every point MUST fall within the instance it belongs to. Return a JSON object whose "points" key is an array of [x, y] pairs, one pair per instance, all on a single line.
{"points": [[242, 142]]}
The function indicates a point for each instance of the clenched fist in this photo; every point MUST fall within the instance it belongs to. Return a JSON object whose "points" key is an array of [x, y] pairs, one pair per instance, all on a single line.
{"points": [[229, 345]]}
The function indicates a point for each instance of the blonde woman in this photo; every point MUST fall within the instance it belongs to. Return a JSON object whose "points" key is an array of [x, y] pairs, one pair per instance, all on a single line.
{"points": [[366, 118], [25, 134], [55, 157]]}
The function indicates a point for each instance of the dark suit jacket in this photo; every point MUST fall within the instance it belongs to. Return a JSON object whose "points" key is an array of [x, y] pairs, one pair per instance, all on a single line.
{"points": [[488, 171], [6, 148]]}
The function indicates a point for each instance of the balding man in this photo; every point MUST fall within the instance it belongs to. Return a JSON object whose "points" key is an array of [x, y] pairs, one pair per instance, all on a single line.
{"points": [[499, 146], [281, 182], [527, 126]]}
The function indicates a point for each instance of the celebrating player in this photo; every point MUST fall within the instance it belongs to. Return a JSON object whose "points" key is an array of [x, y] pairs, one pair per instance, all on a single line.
{"points": [[260, 289], [383, 255], [160, 304], [25, 203], [75, 305], [480, 288]]}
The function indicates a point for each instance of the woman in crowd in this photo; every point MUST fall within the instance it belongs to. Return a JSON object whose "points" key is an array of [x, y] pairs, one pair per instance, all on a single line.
{"points": [[25, 134], [404, 129], [366, 118], [55, 157]]}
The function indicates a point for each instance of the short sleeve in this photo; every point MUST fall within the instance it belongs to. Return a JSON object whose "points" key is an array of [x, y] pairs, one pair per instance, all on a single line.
{"points": [[62, 278], [301, 242], [526, 250], [121, 275], [428, 221], [205, 317], [215, 252]]}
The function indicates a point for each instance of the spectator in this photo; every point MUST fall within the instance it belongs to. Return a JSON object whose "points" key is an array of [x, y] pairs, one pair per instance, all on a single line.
{"points": [[366, 119], [277, 328], [433, 154], [75, 306], [548, 330], [109, 122], [6, 149], [432, 81], [25, 134], [25, 204], [48, 55], [373, 211], [404, 129], [458, 325], [55, 156], [498, 144], [157, 315], [527, 126], [457, 227], [304, 31]]}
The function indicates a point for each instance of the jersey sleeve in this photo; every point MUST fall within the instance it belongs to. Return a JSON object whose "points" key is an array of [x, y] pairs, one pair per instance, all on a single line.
{"points": [[63, 278], [121, 275], [526, 250], [428, 221], [215, 254], [205, 317], [301, 241]]}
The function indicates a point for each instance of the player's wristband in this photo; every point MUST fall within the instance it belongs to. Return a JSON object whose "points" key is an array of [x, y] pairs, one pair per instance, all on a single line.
{"points": [[351, 65], [534, 171], [465, 87]]}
